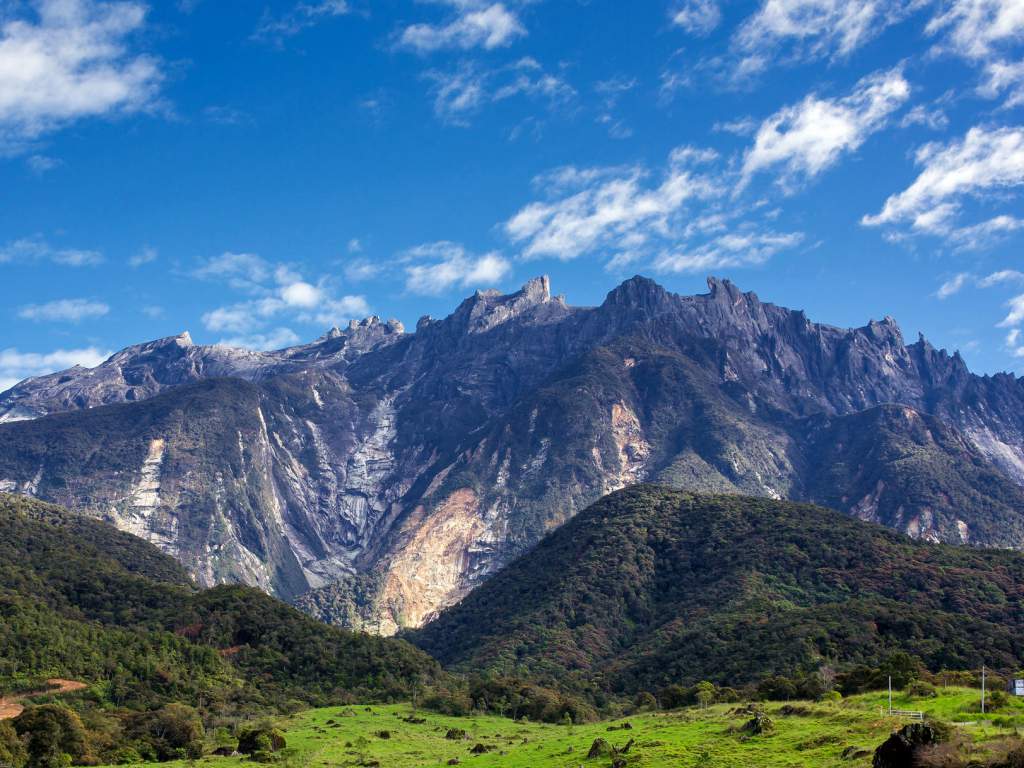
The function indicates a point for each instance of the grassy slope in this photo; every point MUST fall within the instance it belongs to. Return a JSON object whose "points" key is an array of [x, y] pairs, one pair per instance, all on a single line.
{"points": [[676, 739], [650, 587]]}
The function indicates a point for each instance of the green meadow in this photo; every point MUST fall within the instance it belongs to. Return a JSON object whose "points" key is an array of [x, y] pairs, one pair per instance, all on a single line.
{"points": [[815, 735]]}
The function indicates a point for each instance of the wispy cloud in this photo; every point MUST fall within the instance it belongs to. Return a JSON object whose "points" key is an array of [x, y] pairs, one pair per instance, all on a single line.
{"points": [[800, 30], [698, 17], [473, 25], [146, 255], [617, 210], [681, 221], [276, 29], [977, 29], [68, 60], [30, 249], [986, 162], [804, 139], [737, 249], [1004, 77], [64, 310], [461, 93], [953, 285]]}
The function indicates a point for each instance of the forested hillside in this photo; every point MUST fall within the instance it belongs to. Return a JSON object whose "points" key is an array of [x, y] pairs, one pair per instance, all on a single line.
{"points": [[81, 600], [651, 587]]}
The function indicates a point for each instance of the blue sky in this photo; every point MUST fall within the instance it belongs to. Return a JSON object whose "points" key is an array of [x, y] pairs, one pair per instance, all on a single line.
{"points": [[257, 172]]}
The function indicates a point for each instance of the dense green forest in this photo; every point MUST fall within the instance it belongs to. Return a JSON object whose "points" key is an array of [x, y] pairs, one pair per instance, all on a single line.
{"points": [[651, 588]]}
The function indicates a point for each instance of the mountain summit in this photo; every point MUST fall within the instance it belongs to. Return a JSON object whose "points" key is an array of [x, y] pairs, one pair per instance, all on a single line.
{"points": [[376, 475]]}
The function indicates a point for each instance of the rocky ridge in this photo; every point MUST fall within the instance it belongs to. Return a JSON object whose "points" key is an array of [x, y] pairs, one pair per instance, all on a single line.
{"points": [[377, 475]]}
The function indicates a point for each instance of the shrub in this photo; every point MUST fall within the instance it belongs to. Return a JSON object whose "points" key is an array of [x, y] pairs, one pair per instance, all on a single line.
{"points": [[260, 739], [920, 689]]}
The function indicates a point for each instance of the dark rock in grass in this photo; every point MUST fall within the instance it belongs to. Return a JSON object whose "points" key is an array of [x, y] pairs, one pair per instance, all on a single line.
{"points": [[854, 753], [414, 720], [627, 726], [600, 748], [902, 749], [453, 761], [793, 710], [759, 724], [455, 734], [383, 734], [480, 749]]}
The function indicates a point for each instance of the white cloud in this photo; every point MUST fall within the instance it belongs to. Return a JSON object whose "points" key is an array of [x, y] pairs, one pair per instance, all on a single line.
{"points": [[984, 162], [613, 209], [698, 17], [16, 366], [811, 29], [276, 338], [278, 291], [145, 255], [729, 250], [68, 60], [275, 29], [439, 266], [806, 138], [974, 29], [953, 285], [70, 310], [475, 25], [31, 249], [302, 294]]}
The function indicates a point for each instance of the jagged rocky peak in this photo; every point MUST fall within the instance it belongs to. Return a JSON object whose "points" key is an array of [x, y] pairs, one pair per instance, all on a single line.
{"points": [[374, 323], [487, 309]]}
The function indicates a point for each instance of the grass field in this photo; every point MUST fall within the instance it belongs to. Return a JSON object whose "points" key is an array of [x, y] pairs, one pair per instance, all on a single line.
{"points": [[805, 734]]}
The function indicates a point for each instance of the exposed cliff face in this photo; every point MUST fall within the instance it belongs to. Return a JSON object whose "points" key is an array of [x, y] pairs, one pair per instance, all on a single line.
{"points": [[390, 472]]}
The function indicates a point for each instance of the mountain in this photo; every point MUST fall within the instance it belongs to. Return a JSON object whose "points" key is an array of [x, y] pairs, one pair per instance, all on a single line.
{"points": [[375, 476], [81, 600], [650, 587]]}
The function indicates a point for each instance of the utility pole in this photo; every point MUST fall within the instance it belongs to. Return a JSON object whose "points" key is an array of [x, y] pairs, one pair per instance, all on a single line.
{"points": [[983, 689], [890, 695]]}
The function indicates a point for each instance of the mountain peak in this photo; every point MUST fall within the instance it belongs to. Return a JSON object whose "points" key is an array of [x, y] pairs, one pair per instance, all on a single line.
{"points": [[638, 291]]}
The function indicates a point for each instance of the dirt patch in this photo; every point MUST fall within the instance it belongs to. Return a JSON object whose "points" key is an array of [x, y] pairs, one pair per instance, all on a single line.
{"points": [[11, 706]]}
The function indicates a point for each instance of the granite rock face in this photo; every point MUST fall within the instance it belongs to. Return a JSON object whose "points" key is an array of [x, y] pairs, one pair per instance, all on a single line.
{"points": [[375, 476]]}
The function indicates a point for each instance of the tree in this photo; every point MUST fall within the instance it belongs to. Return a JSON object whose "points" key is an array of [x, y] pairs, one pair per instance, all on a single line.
{"points": [[705, 693], [176, 732], [12, 750], [54, 734]]}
